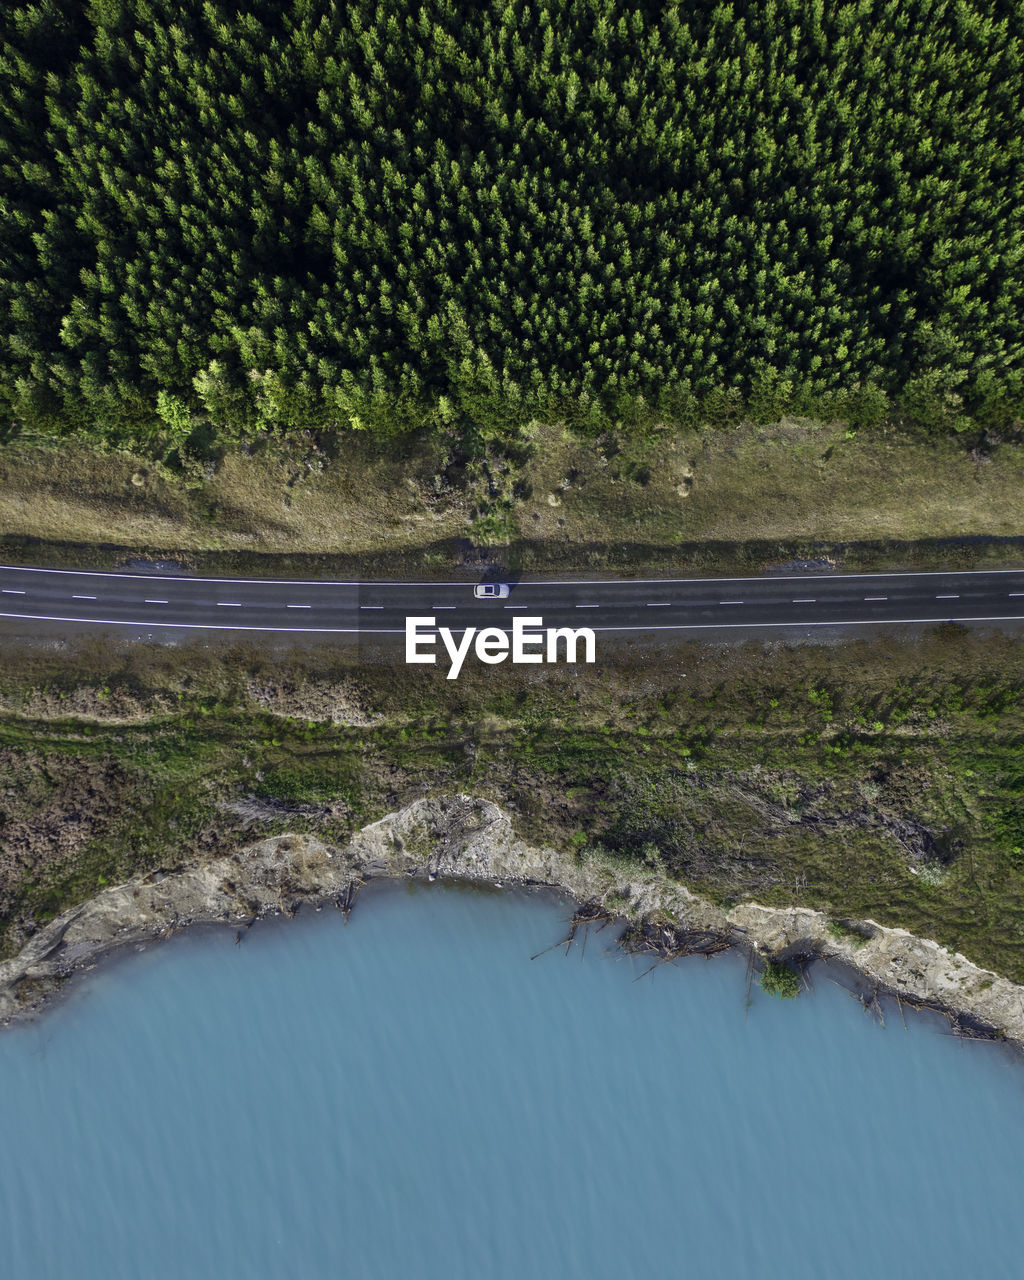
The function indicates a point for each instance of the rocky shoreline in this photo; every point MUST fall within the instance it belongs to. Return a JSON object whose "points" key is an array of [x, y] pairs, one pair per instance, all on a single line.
{"points": [[463, 838]]}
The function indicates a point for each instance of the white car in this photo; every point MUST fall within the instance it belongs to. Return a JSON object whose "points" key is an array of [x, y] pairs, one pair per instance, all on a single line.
{"points": [[491, 590]]}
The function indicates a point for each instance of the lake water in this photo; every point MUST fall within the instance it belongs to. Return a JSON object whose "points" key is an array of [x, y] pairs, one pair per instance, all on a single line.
{"points": [[411, 1095]]}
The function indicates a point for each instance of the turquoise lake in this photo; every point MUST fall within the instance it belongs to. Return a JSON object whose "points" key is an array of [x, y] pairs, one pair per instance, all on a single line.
{"points": [[410, 1095]]}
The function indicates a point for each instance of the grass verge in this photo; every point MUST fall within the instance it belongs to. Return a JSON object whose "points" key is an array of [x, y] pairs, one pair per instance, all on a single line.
{"points": [[725, 501]]}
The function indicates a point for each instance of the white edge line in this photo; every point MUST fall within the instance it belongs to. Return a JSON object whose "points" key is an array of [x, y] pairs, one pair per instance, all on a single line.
{"points": [[398, 631], [850, 622], [197, 626]]}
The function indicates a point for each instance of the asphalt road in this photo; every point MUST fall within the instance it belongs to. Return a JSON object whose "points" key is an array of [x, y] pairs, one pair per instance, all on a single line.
{"points": [[618, 605]]}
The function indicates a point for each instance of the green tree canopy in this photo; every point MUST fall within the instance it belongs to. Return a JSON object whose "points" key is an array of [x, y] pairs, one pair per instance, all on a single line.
{"points": [[309, 213]]}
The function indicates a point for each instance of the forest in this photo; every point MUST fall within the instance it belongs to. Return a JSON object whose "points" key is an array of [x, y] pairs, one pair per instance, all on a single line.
{"points": [[285, 214]]}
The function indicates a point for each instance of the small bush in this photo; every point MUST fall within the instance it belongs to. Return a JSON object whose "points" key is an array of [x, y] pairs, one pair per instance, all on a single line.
{"points": [[779, 979], [843, 933]]}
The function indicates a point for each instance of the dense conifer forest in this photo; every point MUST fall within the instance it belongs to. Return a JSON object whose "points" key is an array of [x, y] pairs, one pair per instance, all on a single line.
{"points": [[305, 213]]}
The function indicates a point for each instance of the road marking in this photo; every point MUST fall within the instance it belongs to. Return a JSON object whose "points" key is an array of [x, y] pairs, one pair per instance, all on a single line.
{"points": [[730, 602], [400, 631], [215, 626], [876, 597], [156, 602], [83, 597], [228, 604], [517, 606], [1012, 593], [947, 597], [803, 601], [444, 606], [588, 606], [10, 591], [659, 604], [298, 606], [371, 606]]}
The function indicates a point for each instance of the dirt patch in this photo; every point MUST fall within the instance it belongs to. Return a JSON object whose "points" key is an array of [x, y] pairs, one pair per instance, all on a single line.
{"points": [[99, 703], [334, 702]]}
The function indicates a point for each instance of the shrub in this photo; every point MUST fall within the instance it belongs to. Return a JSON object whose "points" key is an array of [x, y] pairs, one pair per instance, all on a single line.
{"points": [[780, 979]]}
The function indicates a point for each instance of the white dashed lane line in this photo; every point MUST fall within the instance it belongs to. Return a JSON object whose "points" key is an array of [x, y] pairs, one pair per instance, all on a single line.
{"points": [[681, 605]]}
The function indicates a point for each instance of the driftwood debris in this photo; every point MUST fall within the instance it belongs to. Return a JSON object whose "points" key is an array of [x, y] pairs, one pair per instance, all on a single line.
{"points": [[966, 1028], [960, 1025], [586, 915], [671, 941], [343, 901], [663, 940], [589, 913]]}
